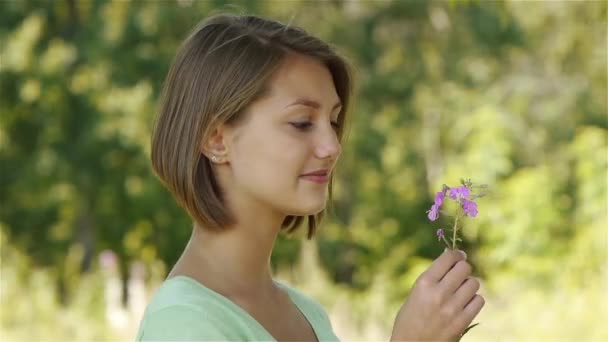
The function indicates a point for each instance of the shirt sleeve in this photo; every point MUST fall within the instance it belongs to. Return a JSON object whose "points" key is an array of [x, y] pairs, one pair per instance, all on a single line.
{"points": [[182, 323]]}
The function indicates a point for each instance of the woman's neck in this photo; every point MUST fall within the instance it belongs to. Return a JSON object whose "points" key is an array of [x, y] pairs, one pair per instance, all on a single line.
{"points": [[234, 262]]}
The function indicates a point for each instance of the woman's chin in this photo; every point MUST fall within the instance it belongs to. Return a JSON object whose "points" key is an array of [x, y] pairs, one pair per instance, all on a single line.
{"points": [[312, 209]]}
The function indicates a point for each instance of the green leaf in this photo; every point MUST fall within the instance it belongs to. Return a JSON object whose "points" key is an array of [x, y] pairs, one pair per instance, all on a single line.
{"points": [[469, 328]]}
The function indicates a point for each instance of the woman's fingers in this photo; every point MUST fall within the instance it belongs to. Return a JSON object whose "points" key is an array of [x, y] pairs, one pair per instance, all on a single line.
{"points": [[471, 310], [465, 293], [454, 278], [443, 264]]}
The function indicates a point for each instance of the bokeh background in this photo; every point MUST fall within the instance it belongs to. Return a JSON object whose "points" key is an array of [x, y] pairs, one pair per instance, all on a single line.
{"points": [[509, 93]]}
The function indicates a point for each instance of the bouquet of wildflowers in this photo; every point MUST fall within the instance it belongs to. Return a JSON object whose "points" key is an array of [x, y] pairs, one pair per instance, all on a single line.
{"points": [[465, 196]]}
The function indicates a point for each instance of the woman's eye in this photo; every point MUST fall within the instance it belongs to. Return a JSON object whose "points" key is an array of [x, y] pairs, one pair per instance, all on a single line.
{"points": [[302, 125]]}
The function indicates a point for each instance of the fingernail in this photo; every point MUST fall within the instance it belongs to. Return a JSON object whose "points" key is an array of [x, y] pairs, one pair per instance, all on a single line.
{"points": [[463, 254]]}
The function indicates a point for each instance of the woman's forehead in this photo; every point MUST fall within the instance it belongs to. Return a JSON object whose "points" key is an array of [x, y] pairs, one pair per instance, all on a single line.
{"points": [[303, 80]]}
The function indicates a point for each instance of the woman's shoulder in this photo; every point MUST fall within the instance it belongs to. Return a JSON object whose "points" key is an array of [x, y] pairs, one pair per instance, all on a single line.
{"points": [[180, 323], [182, 292], [181, 309]]}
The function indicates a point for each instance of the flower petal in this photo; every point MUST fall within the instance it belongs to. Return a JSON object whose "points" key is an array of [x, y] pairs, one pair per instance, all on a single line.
{"points": [[464, 192], [439, 234], [439, 199], [454, 193], [433, 214], [469, 207]]}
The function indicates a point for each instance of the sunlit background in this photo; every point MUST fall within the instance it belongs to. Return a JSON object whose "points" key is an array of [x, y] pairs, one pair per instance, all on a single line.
{"points": [[512, 94]]}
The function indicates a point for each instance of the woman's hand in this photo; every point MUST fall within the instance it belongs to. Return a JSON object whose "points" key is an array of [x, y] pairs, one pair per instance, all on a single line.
{"points": [[442, 303]]}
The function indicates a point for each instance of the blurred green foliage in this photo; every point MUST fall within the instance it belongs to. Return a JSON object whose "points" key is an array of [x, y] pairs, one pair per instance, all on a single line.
{"points": [[511, 94]]}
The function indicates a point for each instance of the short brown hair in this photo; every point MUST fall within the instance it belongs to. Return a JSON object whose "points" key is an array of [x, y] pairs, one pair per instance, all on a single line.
{"points": [[220, 69]]}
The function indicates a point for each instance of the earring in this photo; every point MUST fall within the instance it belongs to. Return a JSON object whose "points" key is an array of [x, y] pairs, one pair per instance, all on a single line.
{"points": [[214, 159]]}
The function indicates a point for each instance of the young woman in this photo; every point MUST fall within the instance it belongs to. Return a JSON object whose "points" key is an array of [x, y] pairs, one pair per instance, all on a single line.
{"points": [[248, 134]]}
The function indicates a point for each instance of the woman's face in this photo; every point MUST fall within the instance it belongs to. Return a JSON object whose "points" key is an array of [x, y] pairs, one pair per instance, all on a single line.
{"points": [[285, 136]]}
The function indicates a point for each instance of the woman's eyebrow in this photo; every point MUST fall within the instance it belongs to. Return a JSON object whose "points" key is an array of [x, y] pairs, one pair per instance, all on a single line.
{"points": [[311, 103]]}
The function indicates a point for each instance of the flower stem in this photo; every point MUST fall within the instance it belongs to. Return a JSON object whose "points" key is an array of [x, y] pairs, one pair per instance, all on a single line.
{"points": [[447, 244], [454, 229]]}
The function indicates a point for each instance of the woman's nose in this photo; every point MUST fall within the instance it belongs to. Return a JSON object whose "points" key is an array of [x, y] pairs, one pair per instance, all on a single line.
{"points": [[328, 145]]}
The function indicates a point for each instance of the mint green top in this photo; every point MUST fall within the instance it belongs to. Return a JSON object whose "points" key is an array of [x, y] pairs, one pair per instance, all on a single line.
{"points": [[185, 310]]}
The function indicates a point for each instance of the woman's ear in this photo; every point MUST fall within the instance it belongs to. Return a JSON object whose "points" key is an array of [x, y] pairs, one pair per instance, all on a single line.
{"points": [[215, 147]]}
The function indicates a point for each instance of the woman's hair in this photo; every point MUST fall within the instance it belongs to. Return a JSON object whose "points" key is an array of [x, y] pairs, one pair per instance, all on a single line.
{"points": [[220, 69]]}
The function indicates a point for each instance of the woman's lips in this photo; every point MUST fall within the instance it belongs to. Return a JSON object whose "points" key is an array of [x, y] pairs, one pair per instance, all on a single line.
{"points": [[319, 179]]}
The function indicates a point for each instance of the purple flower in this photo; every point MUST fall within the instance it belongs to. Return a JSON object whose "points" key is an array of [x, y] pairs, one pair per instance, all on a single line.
{"points": [[464, 192], [459, 193], [453, 193], [439, 234], [439, 199], [433, 214], [469, 207]]}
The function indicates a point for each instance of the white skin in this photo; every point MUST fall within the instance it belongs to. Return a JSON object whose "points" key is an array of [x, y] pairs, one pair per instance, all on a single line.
{"points": [[259, 166]]}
